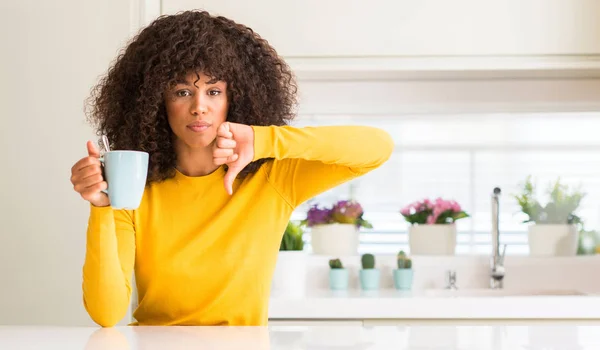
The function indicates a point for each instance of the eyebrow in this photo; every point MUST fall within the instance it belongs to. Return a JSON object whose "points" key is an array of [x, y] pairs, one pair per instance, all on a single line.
{"points": [[187, 83], [182, 81]]}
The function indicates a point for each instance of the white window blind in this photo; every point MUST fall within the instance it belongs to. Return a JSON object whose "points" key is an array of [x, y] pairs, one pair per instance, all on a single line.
{"points": [[463, 157]]}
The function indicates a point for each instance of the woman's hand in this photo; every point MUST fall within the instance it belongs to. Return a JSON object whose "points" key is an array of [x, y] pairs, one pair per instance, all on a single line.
{"points": [[234, 146], [87, 179]]}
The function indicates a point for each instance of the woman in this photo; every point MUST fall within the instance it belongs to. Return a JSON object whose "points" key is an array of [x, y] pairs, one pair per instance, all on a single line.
{"points": [[210, 101]]}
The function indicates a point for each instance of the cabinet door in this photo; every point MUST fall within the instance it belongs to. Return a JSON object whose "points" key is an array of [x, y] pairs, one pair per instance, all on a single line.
{"points": [[353, 28]]}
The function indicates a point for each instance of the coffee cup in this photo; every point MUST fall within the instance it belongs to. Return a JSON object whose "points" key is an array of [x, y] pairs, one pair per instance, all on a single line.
{"points": [[125, 172]]}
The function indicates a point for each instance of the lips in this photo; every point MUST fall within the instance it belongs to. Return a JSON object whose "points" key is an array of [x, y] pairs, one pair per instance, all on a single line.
{"points": [[199, 126]]}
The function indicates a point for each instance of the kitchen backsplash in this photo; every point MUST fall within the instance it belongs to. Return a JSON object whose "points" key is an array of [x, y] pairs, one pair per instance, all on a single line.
{"points": [[556, 273]]}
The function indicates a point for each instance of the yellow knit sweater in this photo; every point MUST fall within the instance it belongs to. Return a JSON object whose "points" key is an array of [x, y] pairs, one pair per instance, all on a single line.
{"points": [[202, 257]]}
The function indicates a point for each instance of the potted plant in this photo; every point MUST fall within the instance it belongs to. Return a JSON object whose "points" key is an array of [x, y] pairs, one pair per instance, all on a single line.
{"points": [[334, 231], [554, 231], [432, 229], [338, 275], [403, 275], [289, 277], [369, 275]]}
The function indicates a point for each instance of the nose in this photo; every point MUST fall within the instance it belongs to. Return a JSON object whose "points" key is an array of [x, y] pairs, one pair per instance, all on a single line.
{"points": [[199, 105]]}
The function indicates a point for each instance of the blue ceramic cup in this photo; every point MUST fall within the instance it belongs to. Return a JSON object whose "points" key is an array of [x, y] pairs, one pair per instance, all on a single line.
{"points": [[125, 172]]}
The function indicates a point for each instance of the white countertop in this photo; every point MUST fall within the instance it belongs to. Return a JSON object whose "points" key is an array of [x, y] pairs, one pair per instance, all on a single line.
{"points": [[470, 304], [559, 336]]}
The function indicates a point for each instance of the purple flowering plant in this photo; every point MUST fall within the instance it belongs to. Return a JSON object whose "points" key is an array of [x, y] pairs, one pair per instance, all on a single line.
{"points": [[429, 212], [343, 212]]}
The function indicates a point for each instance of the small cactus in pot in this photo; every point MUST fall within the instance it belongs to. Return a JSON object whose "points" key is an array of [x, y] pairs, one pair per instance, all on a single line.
{"points": [[404, 262], [403, 275], [368, 261], [369, 275], [336, 264], [338, 275]]}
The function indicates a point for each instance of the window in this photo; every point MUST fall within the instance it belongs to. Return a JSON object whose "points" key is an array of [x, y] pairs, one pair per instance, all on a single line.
{"points": [[463, 157]]}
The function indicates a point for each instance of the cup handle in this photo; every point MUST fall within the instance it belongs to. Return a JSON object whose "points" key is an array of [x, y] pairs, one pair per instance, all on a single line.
{"points": [[101, 159]]}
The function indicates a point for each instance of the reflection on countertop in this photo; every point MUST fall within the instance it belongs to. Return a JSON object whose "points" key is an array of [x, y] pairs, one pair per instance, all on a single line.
{"points": [[567, 336]]}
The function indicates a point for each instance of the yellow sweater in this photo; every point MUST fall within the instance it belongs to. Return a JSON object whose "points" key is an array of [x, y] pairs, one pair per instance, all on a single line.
{"points": [[203, 257]]}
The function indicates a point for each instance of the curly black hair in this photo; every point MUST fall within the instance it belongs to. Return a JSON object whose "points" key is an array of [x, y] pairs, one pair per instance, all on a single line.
{"points": [[128, 104]]}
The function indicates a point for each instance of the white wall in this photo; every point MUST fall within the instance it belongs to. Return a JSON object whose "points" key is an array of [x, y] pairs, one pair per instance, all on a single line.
{"points": [[52, 54]]}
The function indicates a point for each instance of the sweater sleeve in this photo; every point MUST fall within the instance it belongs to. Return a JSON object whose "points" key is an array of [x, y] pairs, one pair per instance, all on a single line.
{"points": [[108, 266], [311, 160]]}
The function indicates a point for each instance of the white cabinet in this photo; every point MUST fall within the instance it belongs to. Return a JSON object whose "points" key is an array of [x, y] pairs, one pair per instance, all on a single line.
{"points": [[391, 28]]}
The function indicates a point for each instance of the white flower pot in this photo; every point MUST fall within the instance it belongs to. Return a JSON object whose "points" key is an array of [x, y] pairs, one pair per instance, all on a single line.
{"points": [[334, 239], [289, 277], [437, 239], [553, 240]]}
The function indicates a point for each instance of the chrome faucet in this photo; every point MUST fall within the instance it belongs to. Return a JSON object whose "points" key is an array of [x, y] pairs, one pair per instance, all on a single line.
{"points": [[451, 279], [497, 260]]}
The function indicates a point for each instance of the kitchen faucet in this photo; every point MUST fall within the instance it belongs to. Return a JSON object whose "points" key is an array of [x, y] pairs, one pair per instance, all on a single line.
{"points": [[497, 260], [451, 279]]}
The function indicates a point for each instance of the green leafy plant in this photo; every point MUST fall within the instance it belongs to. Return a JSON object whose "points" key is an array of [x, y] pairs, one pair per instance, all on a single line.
{"points": [[563, 202], [336, 264], [368, 261], [292, 237], [404, 262], [588, 242]]}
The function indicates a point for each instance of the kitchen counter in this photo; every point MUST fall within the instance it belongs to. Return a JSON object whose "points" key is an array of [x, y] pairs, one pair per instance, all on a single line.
{"points": [[437, 304], [556, 336]]}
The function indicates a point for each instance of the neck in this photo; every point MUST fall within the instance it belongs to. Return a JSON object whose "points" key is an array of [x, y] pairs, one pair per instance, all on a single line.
{"points": [[194, 161]]}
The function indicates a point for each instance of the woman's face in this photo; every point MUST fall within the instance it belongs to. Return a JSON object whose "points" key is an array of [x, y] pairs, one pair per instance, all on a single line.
{"points": [[195, 109]]}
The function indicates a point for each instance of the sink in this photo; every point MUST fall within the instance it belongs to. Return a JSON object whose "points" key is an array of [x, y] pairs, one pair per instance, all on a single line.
{"points": [[446, 293]]}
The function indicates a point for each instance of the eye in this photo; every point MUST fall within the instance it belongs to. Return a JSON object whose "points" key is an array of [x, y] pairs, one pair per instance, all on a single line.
{"points": [[214, 92], [182, 93]]}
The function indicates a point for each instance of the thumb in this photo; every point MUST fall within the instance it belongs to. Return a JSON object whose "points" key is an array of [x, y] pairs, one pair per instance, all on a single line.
{"points": [[92, 150], [230, 176]]}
